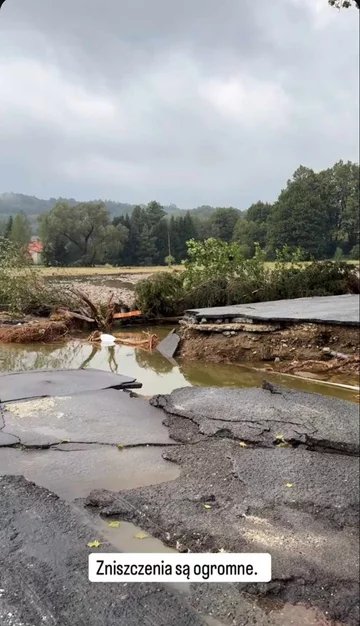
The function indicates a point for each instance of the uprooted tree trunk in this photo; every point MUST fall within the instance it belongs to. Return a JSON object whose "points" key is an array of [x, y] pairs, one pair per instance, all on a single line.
{"points": [[100, 315]]}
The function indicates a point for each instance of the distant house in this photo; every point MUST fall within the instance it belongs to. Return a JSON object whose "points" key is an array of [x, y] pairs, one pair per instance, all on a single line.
{"points": [[35, 249]]}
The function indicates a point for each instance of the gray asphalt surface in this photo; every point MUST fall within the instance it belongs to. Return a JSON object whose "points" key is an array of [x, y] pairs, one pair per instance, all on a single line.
{"points": [[328, 309], [43, 570], [300, 506], [300, 502], [258, 416], [44, 383], [104, 417]]}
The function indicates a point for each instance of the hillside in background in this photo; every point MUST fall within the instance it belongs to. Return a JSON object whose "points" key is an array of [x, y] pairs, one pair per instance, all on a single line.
{"points": [[13, 203]]}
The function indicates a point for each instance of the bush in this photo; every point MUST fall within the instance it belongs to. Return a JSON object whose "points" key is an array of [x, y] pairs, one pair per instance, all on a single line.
{"points": [[22, 290], [355, 253], [339, 254], [228, 278], [159, 295]]}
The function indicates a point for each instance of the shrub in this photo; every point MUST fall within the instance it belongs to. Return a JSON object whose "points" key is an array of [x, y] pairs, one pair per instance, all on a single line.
{"points": [[227, 278], [22, 290], [159, 295], [355, 253]]}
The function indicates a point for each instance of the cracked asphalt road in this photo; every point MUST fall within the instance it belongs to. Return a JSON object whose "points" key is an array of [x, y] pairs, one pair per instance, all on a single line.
{"points": [[45, 383], [107, 416], [43, 570], [277, 469], [299, 502], [258, 416]]}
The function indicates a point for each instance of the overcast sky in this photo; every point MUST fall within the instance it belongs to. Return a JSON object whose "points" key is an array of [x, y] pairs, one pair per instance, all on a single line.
{"points": [[193, 102]]}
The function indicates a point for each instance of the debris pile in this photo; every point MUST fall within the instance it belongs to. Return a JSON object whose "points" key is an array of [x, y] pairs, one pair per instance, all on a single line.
{"points": [[41, 330], [143, 340]]}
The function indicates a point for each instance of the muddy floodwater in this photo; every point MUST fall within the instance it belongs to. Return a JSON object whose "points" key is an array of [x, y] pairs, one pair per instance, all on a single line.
{"points": [[156, 373]]}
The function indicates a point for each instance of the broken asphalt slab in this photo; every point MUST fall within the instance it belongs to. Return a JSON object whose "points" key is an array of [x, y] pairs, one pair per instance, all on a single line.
{"points": [[168, 346], [45, 383], [102, 417], [323, 309], [262, 416], [300, 506], [44, 570]]}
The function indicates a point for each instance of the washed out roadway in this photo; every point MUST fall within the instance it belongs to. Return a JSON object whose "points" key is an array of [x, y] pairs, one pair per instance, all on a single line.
{"points": [[43, 570], [262, 470], [277, 469], [45, 383], [88, 434], [323, 310]]}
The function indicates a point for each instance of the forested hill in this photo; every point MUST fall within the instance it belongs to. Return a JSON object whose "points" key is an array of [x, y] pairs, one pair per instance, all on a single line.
{"points": [[13, 203]]}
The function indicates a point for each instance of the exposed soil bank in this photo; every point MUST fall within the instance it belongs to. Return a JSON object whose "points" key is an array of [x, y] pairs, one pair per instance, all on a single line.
{"points": [[293, 343], [36, 330]]}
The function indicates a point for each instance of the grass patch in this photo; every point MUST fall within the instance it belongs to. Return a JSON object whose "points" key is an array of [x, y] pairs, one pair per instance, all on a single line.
{"points": [[103, 270]]}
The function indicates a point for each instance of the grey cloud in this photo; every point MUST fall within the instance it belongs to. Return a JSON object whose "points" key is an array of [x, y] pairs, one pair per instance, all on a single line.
{"points": [[198, 102]]}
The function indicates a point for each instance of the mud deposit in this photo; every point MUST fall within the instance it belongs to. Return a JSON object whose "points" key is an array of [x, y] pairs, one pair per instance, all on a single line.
{"points": [[262, 470]]}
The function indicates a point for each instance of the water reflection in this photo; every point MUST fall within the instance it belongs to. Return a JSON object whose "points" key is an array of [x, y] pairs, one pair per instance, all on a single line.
{"points": [[155, 372]]}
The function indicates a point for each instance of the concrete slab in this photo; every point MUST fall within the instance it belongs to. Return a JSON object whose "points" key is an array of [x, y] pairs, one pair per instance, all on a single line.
{"points": [[168, 346], [259, 416], [44, 570], [322, 310], [44, 383], [104, 417]]}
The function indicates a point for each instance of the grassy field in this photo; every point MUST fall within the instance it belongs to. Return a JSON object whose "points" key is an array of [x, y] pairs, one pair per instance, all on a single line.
{"points": [[77, 272], [103, 270]]}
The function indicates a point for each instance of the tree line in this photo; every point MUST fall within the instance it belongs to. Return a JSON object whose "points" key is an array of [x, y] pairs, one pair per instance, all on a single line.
{"points": [[317, 213]]}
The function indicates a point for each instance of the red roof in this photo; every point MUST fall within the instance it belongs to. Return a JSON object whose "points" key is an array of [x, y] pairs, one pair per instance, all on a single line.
{"points": [[35, 246]]}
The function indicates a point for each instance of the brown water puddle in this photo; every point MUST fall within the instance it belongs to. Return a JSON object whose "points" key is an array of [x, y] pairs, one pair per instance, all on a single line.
{"points": [[74, 474]]}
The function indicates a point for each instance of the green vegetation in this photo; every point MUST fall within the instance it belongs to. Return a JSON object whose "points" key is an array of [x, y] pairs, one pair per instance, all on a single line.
{"points": [[22, 290], [317, 212], [217, 274]]}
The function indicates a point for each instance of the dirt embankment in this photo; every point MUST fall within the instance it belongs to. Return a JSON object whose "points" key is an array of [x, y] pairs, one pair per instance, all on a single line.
{"points": [[291, 347]]}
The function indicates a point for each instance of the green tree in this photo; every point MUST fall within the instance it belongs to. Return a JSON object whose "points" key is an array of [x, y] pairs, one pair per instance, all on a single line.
{"points": [[125, 256], [248, 233], [342, 184], [300, 216], [148, 251], [55, 252], [84, 230], [20, 232], [154, 213], [8, 227], [222, 223], [258, 212]]}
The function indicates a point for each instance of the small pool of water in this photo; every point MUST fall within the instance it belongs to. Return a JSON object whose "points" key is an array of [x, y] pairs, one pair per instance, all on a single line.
{"points": [[155, 372]]}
